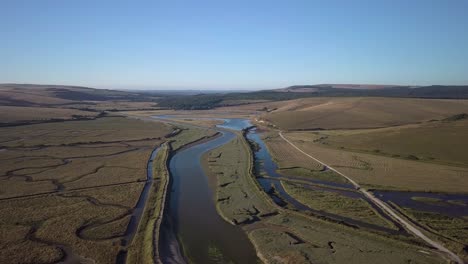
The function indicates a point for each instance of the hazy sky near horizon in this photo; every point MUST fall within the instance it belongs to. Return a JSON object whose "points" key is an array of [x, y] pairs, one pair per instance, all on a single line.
{"points": [[233, 44]]}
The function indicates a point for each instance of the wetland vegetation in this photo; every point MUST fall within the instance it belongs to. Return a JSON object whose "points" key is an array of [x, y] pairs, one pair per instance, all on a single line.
{"points": [[130, 182]]}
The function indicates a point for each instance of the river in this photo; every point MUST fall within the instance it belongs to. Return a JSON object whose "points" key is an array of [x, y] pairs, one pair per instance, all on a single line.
{"points": [[192, 220]]}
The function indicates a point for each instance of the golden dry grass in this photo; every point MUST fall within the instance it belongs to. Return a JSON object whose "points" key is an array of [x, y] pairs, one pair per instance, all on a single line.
{"points": [[114, 105], [31, 96], [10, 114], [385, 172], [286, 156], [367, 112], [441, 141]]}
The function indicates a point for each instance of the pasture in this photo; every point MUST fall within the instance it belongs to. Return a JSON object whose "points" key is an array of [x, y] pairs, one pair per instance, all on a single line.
{"points": [[360, 112], [381, 172], [443, 142], [15, 114]]}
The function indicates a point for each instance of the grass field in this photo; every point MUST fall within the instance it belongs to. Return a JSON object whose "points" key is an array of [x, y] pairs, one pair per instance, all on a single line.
{"points": [[443, 142], [67, 189], [62, 95], [336, 203], [190, 135], [292, 238], [382, 172], [293, 163], [15, 114], [451, 231], [360, 112], [285, 156], [237, 198]]}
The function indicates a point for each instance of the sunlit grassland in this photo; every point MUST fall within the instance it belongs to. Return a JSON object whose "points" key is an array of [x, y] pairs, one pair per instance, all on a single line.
{"points": [[293, 163], [382, 172], [360, 112], [443, 142], [285, 156]]}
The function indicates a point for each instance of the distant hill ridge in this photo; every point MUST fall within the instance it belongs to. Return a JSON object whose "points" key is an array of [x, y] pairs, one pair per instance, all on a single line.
{"points": [[31, 95], [432, 91]]}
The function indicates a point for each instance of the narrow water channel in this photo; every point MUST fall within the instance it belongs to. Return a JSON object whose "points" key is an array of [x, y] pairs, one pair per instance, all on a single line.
{"points": [[138, 210], [192, 219], [265, 165], [454, 205]]}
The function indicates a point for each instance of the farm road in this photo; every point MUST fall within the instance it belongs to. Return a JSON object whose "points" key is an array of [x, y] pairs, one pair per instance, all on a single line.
{"points": [[413, 229]]}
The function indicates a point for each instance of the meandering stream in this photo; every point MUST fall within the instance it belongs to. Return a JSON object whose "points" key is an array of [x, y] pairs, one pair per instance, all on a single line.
{"points": [[193, 229], [192, 225]]}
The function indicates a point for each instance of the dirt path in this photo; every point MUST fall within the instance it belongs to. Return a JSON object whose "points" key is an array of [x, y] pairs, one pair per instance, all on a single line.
{"points": [[387, 209]]}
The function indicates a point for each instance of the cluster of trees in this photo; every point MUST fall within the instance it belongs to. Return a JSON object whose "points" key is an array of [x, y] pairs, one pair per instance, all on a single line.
{"points": [[209, 101], [185, 102]]}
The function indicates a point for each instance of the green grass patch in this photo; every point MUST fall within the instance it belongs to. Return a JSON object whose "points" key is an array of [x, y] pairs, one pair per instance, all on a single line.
{"points": [[332, 202]]}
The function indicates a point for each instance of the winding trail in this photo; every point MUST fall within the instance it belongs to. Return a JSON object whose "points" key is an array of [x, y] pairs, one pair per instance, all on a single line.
{"points": [[387, 209]]}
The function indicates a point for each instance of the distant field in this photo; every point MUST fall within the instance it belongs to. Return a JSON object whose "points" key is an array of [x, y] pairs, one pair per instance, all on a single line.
{"points": [[48, 95], [358, 112], [69, 188], [107, 129], [21, 103], [442, 141], [377, 171], [13, 114]]}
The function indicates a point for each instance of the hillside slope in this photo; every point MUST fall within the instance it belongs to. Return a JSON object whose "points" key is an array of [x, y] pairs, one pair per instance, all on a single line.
{"points": [[360, 112]]}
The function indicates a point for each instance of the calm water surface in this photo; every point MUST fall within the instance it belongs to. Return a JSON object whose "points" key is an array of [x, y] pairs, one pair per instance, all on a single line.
{"points": [[203, 235]]}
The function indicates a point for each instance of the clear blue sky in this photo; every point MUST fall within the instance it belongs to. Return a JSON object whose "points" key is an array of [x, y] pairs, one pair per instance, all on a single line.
{"points": [[233, 44]]}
